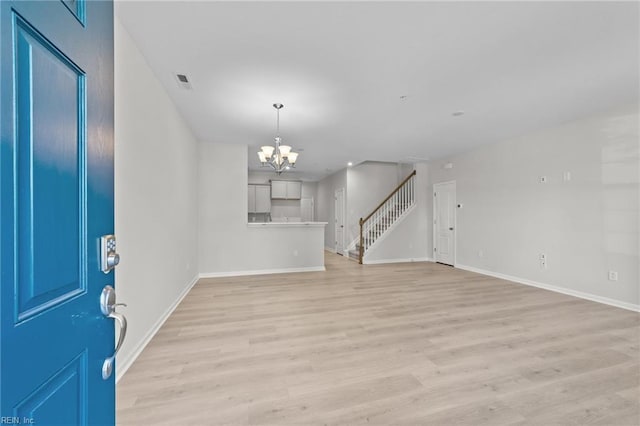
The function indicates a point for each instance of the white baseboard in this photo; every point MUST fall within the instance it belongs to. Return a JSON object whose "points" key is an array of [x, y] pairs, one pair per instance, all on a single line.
{"points": [[124, 365], [412, 259], [569, 292], [261, 272], [345, 252]]}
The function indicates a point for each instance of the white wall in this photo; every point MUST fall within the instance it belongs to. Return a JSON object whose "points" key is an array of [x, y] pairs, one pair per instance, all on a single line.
{"points": [[155, 197], [586, 226], [309, 189], [309, 192], [325, 204], [283, 209], [227, 245]]}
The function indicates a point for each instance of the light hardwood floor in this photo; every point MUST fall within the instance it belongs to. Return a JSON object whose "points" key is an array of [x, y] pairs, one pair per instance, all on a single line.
{"points": [[407, 344]]}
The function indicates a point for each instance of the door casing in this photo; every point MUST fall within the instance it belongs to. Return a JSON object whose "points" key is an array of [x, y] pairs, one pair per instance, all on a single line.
{"points": [[339, 212], [435, 225]]}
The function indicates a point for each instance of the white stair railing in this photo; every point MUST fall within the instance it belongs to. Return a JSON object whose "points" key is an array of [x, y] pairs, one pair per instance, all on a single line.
{"points": [[387, 212]]}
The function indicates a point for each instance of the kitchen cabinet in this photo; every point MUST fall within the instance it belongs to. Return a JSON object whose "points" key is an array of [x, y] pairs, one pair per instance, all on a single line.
{"points": [[263, 199], [286, 189], [294, 190], [279, 189], [259, 199]]}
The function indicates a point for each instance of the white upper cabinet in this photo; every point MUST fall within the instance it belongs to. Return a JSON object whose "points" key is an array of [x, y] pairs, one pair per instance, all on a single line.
{"points": [[286, 189], [259, 199], [294, 190], [279, 189]]}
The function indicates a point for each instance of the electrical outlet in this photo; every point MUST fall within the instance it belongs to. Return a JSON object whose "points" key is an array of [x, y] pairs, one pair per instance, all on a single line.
{"points": [[543, 260], [613, 275], [480, 253], [543, 179]]}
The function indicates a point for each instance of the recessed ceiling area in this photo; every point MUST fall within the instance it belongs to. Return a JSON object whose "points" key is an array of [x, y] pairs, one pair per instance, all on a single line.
{"points": [[382, 81]]}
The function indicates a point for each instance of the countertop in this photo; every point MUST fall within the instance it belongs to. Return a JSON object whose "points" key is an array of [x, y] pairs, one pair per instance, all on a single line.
{"points": [[286, 224]]}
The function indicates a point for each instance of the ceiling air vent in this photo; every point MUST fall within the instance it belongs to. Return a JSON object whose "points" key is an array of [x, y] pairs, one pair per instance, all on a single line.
{"points": [[183, 81]]}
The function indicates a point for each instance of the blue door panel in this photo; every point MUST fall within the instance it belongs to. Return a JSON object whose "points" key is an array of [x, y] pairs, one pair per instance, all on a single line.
{"points": [[50, 176], [58, 391], [76, 7], [56, 200]]}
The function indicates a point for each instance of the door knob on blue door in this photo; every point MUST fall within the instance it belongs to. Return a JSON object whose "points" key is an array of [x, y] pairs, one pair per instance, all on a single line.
{"points": [[112, 260]]}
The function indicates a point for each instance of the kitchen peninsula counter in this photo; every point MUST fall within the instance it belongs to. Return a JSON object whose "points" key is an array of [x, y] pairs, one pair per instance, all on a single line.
{"points": [[278, 247], [287, 224]]}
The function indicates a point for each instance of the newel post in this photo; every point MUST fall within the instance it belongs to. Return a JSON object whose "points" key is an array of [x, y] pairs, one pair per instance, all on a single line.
{"points": [[361, 247]]}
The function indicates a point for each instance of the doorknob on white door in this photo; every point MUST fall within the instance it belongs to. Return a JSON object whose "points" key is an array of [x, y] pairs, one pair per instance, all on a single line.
{"points": [[450, 229]]}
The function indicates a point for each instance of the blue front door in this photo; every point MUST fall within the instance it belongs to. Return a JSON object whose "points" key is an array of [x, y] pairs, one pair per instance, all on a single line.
{"points": [[56, 194]]}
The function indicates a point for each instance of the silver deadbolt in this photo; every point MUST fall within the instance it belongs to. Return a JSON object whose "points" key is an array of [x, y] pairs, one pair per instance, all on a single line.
{"points": [[108, 307], [109, 259]]}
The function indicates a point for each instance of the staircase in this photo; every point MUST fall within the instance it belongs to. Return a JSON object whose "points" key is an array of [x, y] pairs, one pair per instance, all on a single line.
{"points": [[388, 212]]}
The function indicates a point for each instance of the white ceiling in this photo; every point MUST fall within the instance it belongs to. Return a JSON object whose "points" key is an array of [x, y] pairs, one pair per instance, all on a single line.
{"points": [[341, 69]]}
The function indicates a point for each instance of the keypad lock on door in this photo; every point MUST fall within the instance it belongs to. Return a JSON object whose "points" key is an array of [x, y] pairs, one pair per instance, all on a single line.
{"points": [[109, 259]]}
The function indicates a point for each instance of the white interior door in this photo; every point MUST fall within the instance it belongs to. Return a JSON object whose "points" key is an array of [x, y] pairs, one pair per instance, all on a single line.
{"points": [[444, 226], [339, 221]]}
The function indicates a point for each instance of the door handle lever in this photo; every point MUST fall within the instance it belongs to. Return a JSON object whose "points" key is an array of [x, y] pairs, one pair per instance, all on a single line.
{"points": [[108, 307], [107, 365]]}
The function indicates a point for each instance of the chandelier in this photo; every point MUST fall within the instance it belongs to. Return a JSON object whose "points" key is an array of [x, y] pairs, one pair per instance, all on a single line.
{"points": [[279, 157]]}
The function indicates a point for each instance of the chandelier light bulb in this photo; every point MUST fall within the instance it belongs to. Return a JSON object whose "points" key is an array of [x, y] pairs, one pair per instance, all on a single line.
{"points": [[284, 150]]}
